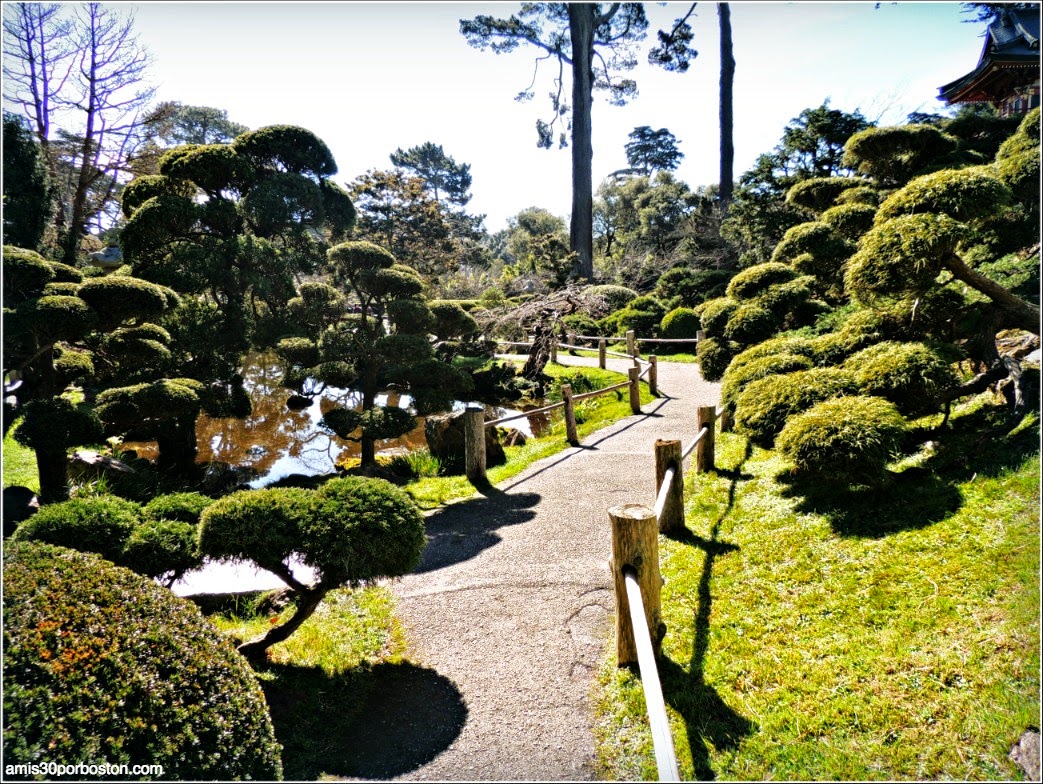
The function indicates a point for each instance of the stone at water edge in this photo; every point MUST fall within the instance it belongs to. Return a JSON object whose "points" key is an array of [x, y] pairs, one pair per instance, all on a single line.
{"points": [[445, 440]]}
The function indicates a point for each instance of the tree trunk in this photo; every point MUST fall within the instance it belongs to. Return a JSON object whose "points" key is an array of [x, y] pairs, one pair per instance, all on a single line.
{"points": [[1021, 314], [581, 235], [310, 600], [724, 16], [54, 478]]}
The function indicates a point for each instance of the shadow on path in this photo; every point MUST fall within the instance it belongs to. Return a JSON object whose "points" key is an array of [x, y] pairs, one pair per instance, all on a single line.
{"points": [[461, 531], [408, 716], [708, 718]]}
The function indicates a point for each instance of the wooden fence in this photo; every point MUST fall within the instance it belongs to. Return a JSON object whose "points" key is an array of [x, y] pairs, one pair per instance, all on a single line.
{"points": [[637, 580], [474, 418]]}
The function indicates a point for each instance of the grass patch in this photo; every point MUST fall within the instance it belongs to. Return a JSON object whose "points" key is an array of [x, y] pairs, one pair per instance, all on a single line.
{"points": [[825, 634], [591, 415], [19, 464]]}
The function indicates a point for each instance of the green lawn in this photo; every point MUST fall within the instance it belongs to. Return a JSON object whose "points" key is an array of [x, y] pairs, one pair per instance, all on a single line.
{"points": [[19, 464], [821, 634]]}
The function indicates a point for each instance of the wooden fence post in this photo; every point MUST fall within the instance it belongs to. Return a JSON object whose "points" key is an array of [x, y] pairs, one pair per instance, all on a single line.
{"points": [[635, 543], [631, 343], [726, 420], [635, 390], [668, 453], [570, 415], [653, 375], [602, 346], [700, 336], [554, 350], [705, 417], [474, 443]]}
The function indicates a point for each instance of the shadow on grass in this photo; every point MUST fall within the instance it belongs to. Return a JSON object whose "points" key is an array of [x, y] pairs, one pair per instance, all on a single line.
{"points": [[370, 723], [906, 501], [461, 531], [708, 718]]}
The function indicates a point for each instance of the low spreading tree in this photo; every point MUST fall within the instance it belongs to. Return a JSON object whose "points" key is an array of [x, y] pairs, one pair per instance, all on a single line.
{"points": [[350, 531]]}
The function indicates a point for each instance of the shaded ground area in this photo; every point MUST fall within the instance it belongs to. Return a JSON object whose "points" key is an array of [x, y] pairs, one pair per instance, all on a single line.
{"points": [[510, 610]]}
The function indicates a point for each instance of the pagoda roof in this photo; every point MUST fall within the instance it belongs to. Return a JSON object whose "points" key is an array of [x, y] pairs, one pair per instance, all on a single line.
{"points": [[1009, 57]]}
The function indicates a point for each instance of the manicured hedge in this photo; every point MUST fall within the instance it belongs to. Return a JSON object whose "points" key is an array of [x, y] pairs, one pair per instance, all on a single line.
{"points": [[910, 375], [101, 664]]}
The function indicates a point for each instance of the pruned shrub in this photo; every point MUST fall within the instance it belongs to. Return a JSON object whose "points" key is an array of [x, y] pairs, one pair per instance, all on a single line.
{"points": [[816, 238], [738, 376], [818, 194], [910, 375], [763, 406], [961, 194], [351, 530], [101, 664], [99, 524], [581, 324], [751, 322], [714, 355], [715, 313], [617, 297], [678, 324], [161, 547], [850, 221], [643, 315], [754, 281], [848, 439], [860, 194]]}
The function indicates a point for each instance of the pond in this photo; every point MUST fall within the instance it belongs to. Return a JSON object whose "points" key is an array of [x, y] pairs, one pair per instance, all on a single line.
{"points": [[276, 441]]}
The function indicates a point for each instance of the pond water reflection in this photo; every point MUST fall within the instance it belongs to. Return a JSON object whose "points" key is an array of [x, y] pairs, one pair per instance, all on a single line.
{"points": [[276, 441]]}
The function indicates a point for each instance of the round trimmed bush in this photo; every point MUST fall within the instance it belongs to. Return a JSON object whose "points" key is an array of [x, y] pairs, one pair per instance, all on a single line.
{"points": [[763, 406], [186, 507], [850, 221], [714, 355], [738, 376], [678, 324], [715, 313], [783, 344], [581, 324], [643, 315], [754, 281], [161, 547], [818, 194], [910, 375], [845, 438], [617, 297], [961, 194], [751, 323], [101, 664], [99, 524]]}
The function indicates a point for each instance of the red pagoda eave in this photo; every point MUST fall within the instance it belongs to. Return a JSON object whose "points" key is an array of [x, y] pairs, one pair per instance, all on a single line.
{"points": [[996, 79]]}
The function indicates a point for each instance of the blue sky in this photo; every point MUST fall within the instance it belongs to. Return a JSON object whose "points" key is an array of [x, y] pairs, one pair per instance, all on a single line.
{"points": [[372, 77]]}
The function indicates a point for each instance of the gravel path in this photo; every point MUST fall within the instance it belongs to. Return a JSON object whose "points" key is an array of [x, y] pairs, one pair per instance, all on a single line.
{"points": [[512, 606]]}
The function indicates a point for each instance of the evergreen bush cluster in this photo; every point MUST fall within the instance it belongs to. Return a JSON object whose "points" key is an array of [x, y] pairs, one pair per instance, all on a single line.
{"points": [[101, 664]]}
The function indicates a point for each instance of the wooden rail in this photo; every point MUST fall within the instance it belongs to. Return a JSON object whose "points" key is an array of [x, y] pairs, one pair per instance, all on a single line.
{"points": [[637, 580]]}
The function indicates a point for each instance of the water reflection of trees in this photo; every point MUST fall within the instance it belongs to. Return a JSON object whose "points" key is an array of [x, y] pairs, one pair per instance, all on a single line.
{"points": [[276, 440]]}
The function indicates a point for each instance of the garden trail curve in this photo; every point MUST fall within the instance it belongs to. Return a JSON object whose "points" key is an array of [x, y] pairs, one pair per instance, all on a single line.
{"points": [[512, 607]]}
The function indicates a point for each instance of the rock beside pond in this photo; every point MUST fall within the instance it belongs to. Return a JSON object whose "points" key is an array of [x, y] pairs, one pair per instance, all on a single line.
{"points": [[86, 464], [512, 437], [445, 440], [220, 477]]}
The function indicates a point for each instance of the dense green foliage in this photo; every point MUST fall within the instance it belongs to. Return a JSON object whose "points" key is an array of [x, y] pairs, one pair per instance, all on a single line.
{"points": [[351, 530], [101, 664], [844, 438]]}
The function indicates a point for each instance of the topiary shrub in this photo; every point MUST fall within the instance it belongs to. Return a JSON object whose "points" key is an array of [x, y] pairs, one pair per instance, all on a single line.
{"points": [[754, 281], [738, 376], [715, 313], [101, 664], [751, 322], [961, 194], [860, 194], [850, 221], [763, 406], [99, 524], [910, 375], [617, 297], [643, 315], [678, 324], [848, 439], [581, 324], [350, 530], [818, 194], [714, 355], [186, 507]]}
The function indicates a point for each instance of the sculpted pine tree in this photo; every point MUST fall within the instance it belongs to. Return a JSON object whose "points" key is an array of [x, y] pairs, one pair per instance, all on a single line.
{"points": [[385, 343]]}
